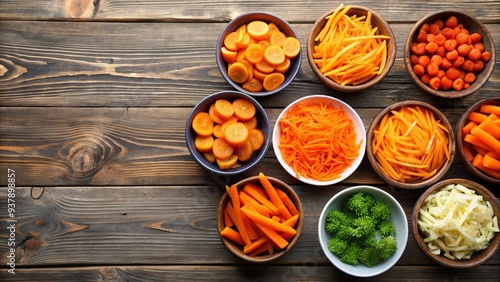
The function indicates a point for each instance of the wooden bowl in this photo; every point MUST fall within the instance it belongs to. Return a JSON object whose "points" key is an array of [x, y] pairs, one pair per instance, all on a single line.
{"points": [[479, 257], [383, 29], [415, 184], [472, 24], [236, 249], [461, 143]]}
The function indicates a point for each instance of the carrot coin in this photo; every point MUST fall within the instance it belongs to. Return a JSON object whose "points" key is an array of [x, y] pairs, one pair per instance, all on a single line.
{"points": [[236, 134], [257, 138], [237, 72], [228, 56], [227, 163], [259, 75], [209, 156], [283, 67], [223, 109], [245, 151], [204, 143], [272, 27], [274, 55], [273, 81], [218, 131], [254, 85], [258, 29], [231, 120], [264, 44], [277, 38], [251, 124], [243, 109], [221, 149], [249, 69], [264, 67], [203, 124], [254, 53], [243, 42], [291, 47], [213, 115], [230, 41]]}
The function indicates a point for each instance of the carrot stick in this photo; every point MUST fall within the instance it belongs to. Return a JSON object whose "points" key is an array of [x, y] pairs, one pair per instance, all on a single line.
{"points": [[468, 153], [238, 217], [232, 235], [253, 190], [467, 128], [266, 221], [273, 195], [477, 117], [261, 249], [474, 140], [490, 109], [228, 215], [260, 208], [272, 235], [492, 163], [254, 245], [489, 140], [252, 234], [287, 201], [478, 162]]}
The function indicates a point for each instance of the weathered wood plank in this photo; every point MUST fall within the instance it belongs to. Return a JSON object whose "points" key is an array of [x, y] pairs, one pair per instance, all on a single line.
{"points": [[301, 272], [70, 64], [206, 10], [83, 226]]}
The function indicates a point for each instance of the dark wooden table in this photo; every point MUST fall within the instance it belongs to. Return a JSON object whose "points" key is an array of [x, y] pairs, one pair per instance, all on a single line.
{"points": [[94, 96]]}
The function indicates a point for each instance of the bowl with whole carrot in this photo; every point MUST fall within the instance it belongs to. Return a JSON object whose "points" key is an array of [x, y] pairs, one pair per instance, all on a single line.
{"points": [[449, 54], [319, 140], [227, 132], [410, 144], [260, 218], [258, 53], [478, 139], [351, 48]]}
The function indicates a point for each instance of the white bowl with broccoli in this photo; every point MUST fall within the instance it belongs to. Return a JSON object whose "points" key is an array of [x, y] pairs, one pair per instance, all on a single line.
{"points": [[363, 231]]}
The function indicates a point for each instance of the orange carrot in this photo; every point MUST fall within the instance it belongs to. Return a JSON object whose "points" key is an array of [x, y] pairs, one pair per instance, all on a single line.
{"points": [[232, 235], [238, 217], [266, 221], [272, 235], [256, 193], [256, 244], [252, 234], [467, 128], [490, 109], [261, 249], [468, 153], [486, 138], [477, 117], [478, 162], [474, 140], [228, 215], [256, 205], [273, 195], [288, 202], [490, 162]]}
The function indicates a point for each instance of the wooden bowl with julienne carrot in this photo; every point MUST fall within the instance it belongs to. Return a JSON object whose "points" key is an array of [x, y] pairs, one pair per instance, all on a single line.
{"points": [[410, 145], [260, 218], [364, 55], [449, 54], [258, 53], [478, 139]]}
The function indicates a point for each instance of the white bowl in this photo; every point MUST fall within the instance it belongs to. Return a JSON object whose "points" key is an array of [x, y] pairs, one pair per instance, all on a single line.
{"points": [[398, 218], [358, 125]]}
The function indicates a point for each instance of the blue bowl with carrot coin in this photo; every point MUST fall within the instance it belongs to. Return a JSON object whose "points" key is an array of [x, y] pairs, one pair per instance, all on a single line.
{"points": [[258, 53], [227, 132]]}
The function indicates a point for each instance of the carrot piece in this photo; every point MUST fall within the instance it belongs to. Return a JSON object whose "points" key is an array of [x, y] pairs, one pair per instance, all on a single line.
{"points": [[227, 163], [490, 109], [256, 137], [255, 204], [492, 163], [236, 134], [238, 72], [244, 110], [474, 140], [221, 149], [291, 47], [486, 138], [203, 124], [258, 30], [254, 53], [213, 115], [277, 38], [261, 249], [228, 215], [467, 128], [283, 67], [288, 202], [245, 151], [251, 124], [230, 41], [273, 81], [266, 221], [274, 55], [478, 163], [273, 195], [232, 235], [228, 56], [204, 143], [255, 245], [238, 216], [223, 109], [252, 234], [468, 153], [477, 117], [253, 191]]}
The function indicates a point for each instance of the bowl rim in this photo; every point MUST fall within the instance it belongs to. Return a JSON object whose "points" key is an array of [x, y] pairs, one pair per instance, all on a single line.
{"points": [[280, 22], [391, 55], [188, 132], [423, 183], [378, 193], [356, 118], [483, 256], [460, 142], [277, 254], [488, 69]]}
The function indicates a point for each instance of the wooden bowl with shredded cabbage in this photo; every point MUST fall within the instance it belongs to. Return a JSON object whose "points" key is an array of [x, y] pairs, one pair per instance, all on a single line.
{"points": [[455, 223]]}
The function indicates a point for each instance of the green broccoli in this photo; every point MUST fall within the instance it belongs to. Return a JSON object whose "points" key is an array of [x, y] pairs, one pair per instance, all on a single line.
{"points": [[362, 231]]}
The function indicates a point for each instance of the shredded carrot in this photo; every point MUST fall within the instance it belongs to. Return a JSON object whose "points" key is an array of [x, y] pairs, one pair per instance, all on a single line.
{"points": [[349, 49], [410, 144], [318, 141]]}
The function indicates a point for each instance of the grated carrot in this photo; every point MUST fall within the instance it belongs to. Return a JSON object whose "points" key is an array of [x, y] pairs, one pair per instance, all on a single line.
{"points": [[410, 144], [318, 141]]}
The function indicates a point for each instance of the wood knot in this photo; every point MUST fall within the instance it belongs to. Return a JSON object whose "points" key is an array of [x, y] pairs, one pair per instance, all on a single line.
{"points": [[108, 272], [80, 8], [36, 192], [85, 158]]}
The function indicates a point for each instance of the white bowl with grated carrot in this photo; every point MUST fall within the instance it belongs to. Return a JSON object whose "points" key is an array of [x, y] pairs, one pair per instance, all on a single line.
{"points": [[319, 140], [351, 48], [410, 144]]}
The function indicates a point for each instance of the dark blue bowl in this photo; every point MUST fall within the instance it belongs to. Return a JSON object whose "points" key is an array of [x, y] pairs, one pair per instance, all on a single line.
{"points": [[203, 106]]}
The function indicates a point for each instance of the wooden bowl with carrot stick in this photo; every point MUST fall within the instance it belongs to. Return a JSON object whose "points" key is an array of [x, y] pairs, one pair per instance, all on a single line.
{"points": [[478, 139], [357, 61], [449, 54], [260, 218], [410, 145]]}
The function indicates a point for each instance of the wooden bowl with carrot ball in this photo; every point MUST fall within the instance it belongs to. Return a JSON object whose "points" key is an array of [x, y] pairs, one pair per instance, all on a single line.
{"points": [[245, 61], [472, 149], [410, 145], [270, 212], [449, 54], [338, 66], [472, 236]]}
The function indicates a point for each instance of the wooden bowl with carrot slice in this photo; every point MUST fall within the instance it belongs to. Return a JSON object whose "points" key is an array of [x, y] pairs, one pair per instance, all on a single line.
{"points": [[258, 53], [410, 145], [260, 218], [478, 139], [360, 59]]}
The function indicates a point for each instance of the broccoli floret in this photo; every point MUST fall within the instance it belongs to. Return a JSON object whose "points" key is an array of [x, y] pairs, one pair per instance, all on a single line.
{"points": [[362, 231]]}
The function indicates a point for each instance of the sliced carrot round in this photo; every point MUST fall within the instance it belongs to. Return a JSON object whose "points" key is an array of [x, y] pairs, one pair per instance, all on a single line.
{"points": [[264, 44], [257, 138], [204, 143], [258, 29], [227, 163], [291, 47], [203, 124], [273, 81], [283, 67], [237, 72], [264, 67], [221, 149], [251, 123], [259, 75], [228, 56], [209, 156], [218, 131], [245, 151], [249, 69], [272, 27], [254, 85], [243, 42], [230, 41], [277, 38], [231, 120], [236, 134], [274, 55], [223, 109], [243, 109], [213, 115], [254, 53]]}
